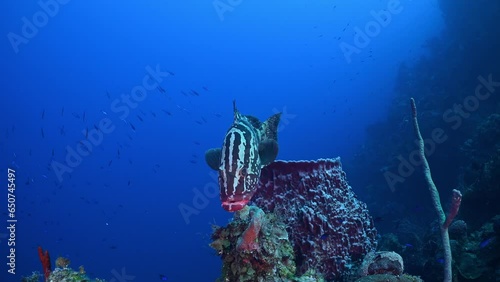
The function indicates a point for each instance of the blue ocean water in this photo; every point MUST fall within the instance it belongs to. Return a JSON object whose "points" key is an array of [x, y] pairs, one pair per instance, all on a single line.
{"points": [[109, 106]]}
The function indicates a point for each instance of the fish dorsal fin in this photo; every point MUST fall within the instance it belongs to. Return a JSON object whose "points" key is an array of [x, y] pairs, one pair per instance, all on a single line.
{"points": [[237, 115], [213, 158], [270, 127], [255, 122]]}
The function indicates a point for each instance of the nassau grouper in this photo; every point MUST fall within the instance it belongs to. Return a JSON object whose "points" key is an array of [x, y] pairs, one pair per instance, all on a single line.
{"points": [[248, 146]]}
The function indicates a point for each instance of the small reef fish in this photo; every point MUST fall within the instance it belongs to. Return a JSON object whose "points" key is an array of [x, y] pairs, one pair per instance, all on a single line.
{"points": [[249, 145], [486, 242]]}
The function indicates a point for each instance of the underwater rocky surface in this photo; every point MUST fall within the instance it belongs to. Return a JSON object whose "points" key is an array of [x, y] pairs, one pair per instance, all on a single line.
{"points": [[305, 224], [329, 227], [61, 273]]}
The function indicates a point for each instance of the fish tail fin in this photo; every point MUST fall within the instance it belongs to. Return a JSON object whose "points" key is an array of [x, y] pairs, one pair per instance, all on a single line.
{"points": [[268, 147], [270, 127]]}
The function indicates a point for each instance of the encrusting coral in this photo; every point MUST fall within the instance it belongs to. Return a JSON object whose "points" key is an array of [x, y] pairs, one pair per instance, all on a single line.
{"points": [[255, 247], [62, 272]]}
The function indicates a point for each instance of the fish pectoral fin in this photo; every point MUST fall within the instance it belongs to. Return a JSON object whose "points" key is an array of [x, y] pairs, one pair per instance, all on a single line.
{"points": [[268, 151], [212, 157]]}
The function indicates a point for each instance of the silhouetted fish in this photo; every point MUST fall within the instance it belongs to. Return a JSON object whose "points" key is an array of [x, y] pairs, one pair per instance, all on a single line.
{"points": [[161, 89], [486, 242]]}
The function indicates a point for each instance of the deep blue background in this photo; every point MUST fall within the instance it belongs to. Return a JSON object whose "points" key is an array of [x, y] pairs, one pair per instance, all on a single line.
{"points": [[268, 55]]}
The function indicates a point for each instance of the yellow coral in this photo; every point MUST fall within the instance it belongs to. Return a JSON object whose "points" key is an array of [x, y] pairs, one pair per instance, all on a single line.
{"points": [[62, 262]]}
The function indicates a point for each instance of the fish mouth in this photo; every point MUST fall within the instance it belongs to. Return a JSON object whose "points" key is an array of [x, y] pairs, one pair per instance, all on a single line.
{"points": [[232, 206]]}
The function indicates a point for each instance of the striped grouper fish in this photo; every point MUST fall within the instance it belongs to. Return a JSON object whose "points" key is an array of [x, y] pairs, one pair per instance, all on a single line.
{"points": [[248, 146]]}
